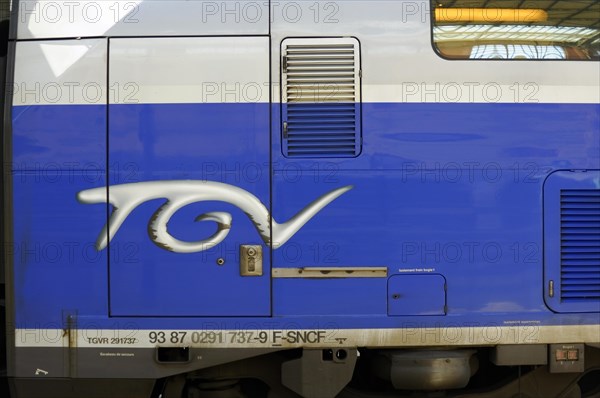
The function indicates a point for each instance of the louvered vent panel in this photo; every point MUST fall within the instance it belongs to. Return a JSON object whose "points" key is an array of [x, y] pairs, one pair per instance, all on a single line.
{"points": [[580, 245], [321, 97]]}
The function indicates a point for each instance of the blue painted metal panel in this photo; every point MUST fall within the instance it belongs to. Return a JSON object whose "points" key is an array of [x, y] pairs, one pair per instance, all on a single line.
{"points": [[52, 138], [523, 140], [332, 297], [473, 227], [416, 295], [157, 282], [57, 268], [222, 142], [471, 232], [217, 142]]}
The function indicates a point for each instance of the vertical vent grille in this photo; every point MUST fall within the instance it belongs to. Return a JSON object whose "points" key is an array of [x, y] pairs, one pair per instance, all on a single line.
{"points": [[580, 245], [321, 97]]}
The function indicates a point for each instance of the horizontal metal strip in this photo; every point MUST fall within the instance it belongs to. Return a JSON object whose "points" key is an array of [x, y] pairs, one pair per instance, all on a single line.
{"points": [[348, 111], [321, 146], [323, 100], [333, 133], [579, 212], [331, 136], [335, 71], [320, 83], [317, 123], [320, 95], [318, 107], [327, 87], [321, 79], [591, 229], [299, 138], [346, 145], [581, 288], [580, 299], [295, 64], [579, 205], [341, 133], [568, 252], [322, 52], [349, 136], [320, 45], [320, 92], [579, 244], [347, 114], [583, 261], [339, 127], [581, 296], [580, 224], [309, 137], [320, 153], [347, 53], [324, 45], [326, 50], [575, 200], [581, 256], [580, 263], [329, 68], [581, 218], [315, 117], [293, 117], [346, 86], [595, 251], [330, 272], [580, 281], [406, 334], [592, 193], [316, 59], [590, 271], [329, 147], [580, 192]]}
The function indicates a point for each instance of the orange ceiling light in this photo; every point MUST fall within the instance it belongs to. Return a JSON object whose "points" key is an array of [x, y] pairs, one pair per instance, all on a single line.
{"points": [[490, 15]]}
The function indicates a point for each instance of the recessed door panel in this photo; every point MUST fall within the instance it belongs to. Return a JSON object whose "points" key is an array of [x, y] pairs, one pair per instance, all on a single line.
{"points": [[188, 149]]}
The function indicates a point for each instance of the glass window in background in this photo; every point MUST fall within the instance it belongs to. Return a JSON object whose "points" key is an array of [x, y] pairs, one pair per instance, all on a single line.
{"points": [[517, 29]]}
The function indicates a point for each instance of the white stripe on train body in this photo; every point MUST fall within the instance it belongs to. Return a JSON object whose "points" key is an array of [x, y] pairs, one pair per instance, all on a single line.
{"points": [[398, 61]]}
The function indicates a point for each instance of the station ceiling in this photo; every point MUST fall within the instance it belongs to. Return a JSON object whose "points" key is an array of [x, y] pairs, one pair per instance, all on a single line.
{"points": [[580, 13]]}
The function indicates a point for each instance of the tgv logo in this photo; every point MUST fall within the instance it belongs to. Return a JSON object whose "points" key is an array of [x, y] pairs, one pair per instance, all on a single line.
{"points": [[179, 193]]}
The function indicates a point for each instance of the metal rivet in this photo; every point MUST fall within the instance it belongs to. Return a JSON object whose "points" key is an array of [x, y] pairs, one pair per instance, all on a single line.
{"points": [[220, 261]]}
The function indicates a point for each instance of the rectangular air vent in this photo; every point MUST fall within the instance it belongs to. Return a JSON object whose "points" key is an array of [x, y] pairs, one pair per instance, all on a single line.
{"points": [[580, 245], [321, 113]]}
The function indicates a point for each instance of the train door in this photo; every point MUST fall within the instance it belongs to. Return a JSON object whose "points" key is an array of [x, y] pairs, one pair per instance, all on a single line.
{"points": [[189, 176]]}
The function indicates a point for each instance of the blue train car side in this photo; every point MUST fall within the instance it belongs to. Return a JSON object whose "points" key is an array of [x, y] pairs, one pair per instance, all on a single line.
{"points": [[301, 199]]}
